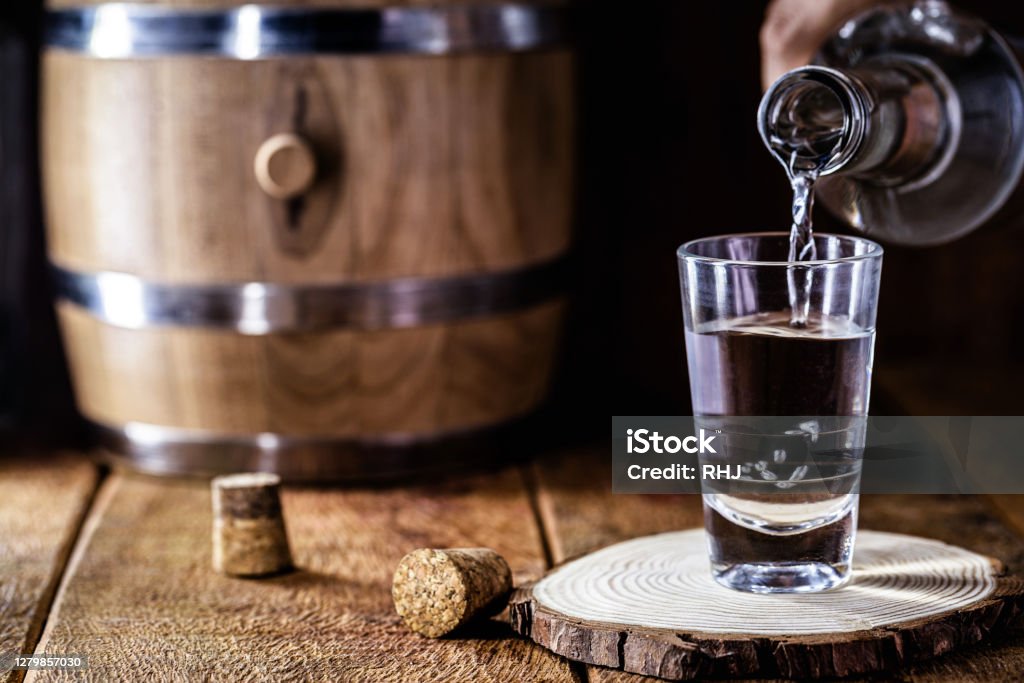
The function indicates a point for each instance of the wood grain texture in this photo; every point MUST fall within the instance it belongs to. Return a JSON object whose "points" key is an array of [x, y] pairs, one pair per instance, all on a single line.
{"points": [[427, 166], [580, 514], [344, 384], [1011, 509], [34, 543], [650, 606], [142, 601]]}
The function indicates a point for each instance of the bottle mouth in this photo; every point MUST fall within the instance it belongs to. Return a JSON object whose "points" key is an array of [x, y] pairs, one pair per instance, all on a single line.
{"points": [[813, 119]]}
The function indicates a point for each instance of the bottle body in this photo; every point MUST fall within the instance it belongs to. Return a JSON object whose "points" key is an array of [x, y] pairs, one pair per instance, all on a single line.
{"points": [[914, 117]]}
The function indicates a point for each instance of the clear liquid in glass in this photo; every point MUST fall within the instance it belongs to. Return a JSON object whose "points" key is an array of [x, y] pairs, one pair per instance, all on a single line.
{"points": [[788, 524]]}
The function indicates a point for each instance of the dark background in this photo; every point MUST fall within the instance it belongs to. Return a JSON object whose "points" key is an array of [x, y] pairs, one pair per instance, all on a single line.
{"points": [[668, 152], [35, 393]]}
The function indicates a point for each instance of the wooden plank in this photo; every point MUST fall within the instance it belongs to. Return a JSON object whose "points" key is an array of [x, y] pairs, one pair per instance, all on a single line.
{"points": [[580, 514], [1011, 510], [143, 603], [43, 499]]}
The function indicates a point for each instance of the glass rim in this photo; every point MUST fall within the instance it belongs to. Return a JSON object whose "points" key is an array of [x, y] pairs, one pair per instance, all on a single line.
{"points": [[685, 250]]}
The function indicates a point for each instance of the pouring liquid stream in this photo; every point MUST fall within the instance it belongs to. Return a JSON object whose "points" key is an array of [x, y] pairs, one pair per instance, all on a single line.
{"points": [[806, 138], [801, 245]]}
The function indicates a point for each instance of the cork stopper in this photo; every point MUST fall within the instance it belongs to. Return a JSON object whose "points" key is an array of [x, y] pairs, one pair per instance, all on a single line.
{"points": [[249, 536], [436, 591]]}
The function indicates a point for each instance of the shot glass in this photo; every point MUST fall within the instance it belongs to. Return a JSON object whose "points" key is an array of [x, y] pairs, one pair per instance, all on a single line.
{"points": [[784, 377]]}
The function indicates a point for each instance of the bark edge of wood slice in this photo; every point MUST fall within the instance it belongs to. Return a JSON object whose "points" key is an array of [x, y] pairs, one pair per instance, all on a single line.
{"points": [[910, 599]]}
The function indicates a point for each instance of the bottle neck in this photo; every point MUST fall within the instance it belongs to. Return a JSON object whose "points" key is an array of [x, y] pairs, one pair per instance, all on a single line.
{"points": [[886, 122]]}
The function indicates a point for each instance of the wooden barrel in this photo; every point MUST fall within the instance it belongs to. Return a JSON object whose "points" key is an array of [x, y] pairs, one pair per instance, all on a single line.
{"points": [[296, 237]]}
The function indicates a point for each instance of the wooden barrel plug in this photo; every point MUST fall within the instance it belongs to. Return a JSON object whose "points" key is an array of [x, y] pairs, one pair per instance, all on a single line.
{"points": [[285, 166], [436, 591], [249, 537]]}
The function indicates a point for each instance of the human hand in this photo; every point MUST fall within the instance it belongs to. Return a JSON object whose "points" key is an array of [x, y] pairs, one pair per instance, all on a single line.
{"points": [[793, 30]]}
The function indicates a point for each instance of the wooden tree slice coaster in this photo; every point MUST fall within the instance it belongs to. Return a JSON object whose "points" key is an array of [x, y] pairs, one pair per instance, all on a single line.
{"points": [[649, 606]]}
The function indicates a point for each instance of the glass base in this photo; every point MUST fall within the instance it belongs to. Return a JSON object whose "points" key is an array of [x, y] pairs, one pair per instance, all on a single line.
{"points": [[789, 577]]}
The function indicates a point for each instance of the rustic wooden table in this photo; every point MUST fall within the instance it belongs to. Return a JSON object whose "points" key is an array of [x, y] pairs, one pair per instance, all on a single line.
{"points": [[117, 567]]}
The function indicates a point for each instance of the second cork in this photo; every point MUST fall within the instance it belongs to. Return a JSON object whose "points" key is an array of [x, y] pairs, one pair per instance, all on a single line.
{"points": [[249, 537]]}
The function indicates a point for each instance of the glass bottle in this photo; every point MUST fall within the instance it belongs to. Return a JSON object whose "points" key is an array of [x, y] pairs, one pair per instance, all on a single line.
{"points": [[913, 116]]}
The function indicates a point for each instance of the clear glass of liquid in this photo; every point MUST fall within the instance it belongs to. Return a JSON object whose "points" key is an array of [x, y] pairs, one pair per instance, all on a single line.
{"points": [[783, 375]]}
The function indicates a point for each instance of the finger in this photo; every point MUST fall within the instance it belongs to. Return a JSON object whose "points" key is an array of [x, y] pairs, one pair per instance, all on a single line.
{"points": [[793, 31]]}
